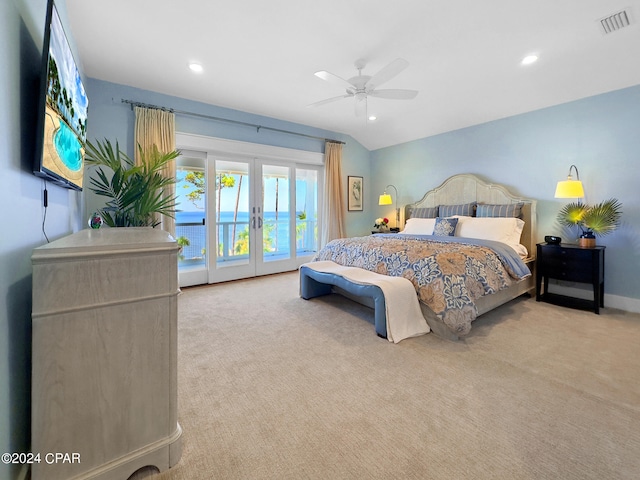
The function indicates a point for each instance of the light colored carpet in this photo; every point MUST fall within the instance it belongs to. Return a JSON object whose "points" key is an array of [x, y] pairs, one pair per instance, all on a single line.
{"points": [[275, 387]]}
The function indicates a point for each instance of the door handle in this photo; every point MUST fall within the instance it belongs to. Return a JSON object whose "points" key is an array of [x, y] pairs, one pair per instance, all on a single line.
{"points": [[253, 222], [259, 222]]}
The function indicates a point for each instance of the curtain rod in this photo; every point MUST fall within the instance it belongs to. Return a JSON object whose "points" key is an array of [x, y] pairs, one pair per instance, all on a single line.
{"points": [[227, 120]]}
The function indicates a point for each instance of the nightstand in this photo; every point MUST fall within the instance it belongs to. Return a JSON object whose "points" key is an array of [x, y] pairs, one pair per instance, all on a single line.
{"points": [[570, 263]]}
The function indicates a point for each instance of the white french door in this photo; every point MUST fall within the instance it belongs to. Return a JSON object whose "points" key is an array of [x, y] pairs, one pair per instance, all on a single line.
{"points": [[286, 216], [255, 216], [233, 224]]}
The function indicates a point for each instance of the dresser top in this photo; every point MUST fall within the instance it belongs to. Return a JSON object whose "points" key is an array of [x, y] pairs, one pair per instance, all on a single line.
{"points": [[108, 240]]}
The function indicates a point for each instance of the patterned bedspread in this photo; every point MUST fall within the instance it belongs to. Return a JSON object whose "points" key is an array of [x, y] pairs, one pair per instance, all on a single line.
{"points": [[449, 273]]}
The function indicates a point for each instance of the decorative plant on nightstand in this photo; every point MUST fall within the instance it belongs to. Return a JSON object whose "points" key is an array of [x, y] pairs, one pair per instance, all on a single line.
{"points": [[593, 220], [136, 192]]}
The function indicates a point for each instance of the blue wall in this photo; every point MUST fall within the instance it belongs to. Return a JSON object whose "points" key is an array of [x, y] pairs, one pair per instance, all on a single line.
{"points": [[22, 216], [112, 119], [530, 153]]}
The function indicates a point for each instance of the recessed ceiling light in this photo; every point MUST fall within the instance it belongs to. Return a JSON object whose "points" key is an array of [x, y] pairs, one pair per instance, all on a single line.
{"points": [[195, 67], [529, 59], [372, 117]]}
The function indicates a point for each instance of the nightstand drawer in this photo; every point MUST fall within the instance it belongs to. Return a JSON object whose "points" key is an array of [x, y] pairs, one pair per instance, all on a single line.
{"points": [[573, 264], [555, 254], [570, 264], [569, 271]]}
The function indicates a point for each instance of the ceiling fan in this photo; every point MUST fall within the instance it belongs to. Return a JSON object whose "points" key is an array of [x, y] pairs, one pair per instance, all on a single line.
{"points": [[362, 86]]}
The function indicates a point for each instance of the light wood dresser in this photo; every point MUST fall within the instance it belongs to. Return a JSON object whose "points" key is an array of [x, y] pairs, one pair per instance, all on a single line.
{"points": [[104, 377]]}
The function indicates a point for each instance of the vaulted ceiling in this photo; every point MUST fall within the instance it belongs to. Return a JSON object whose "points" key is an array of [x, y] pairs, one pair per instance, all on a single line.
{"points": [[464, 56]]}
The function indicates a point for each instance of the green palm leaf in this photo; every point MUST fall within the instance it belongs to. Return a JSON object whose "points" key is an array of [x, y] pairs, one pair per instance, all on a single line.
{"points": [[600, 219], [571, 214], [137, 194], [604, 217]]}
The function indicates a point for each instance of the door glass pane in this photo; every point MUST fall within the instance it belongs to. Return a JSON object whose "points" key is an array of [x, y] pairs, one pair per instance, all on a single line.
{"points": [[232, 212], [191, 233], [306, 211], [275, 199]]}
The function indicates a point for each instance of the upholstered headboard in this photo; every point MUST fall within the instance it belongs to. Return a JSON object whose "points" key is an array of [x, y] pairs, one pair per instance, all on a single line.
{"points": [[467, 188]]}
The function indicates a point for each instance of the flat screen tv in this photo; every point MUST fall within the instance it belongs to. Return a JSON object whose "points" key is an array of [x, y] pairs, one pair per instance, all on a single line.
{"points": [[62, 110]]}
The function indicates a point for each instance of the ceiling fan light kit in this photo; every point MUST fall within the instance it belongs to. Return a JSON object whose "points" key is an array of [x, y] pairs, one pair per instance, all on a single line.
{"points": [[361, 86]]}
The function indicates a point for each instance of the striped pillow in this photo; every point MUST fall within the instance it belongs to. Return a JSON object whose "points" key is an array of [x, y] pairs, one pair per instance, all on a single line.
{"points": [[507, 210], [465, 209], [424, 212]]}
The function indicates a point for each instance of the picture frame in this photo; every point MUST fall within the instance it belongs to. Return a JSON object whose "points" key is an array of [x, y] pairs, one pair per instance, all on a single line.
{"points": [[355, 193]]}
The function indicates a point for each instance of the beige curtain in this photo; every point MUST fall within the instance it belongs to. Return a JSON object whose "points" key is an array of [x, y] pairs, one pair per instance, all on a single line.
{"points": [[158, 127], [333, 204]]}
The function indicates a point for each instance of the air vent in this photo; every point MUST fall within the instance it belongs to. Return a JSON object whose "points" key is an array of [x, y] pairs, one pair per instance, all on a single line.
{"points": [[615, 22]]}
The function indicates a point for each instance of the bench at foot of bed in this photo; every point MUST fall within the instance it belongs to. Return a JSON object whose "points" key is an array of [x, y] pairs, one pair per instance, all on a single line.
{"points": [[315, 284]]}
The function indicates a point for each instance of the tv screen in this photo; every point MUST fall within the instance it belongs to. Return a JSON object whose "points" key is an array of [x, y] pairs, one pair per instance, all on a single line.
{"points": [[63, 107]]}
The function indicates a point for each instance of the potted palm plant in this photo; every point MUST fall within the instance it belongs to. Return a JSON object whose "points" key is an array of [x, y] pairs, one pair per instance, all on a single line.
{"points": [[136, 193], [593, 220]]}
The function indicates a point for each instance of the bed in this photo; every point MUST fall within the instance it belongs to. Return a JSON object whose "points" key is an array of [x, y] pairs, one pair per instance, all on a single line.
{"points": [[338, 266]]}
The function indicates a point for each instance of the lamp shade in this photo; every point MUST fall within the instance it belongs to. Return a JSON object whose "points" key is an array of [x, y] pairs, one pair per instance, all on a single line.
{"points": [[569, 189], [385, 199]]}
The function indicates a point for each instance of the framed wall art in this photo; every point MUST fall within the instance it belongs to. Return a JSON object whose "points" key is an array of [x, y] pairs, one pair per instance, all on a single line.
{"points": [[355, 192]]}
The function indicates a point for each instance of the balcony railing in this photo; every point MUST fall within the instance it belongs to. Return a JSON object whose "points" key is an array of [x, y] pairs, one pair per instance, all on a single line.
{"points": [[233, 248]]}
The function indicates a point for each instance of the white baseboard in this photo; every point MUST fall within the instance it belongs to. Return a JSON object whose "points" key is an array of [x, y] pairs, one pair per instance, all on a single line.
{"points": [[623, 303], [613, 301]]}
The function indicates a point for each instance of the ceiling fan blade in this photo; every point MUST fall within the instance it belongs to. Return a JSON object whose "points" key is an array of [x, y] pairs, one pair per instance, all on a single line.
{"points": [[388, 72], [328, 100], [336, 80], [394, 93]]}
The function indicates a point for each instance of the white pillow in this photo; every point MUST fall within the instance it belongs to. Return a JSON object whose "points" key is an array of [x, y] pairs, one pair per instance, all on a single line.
{"points": [[419, 226], [461, 218], [520, 250], [499, 229]]}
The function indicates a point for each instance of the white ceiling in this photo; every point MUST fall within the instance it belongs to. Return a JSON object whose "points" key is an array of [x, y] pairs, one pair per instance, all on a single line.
{"points": [[260, 56]]}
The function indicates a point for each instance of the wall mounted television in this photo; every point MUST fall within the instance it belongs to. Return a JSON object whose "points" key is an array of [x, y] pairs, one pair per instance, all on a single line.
{"points": [[62, 110]]}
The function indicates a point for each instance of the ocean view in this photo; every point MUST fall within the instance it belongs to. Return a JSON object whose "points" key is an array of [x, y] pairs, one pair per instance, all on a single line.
{"points": [[189, 225]]}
